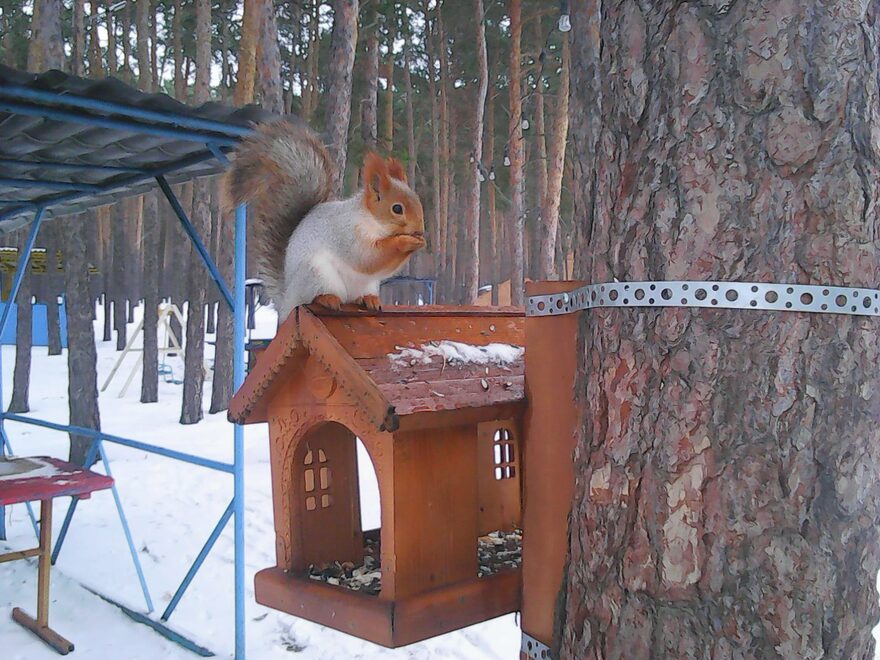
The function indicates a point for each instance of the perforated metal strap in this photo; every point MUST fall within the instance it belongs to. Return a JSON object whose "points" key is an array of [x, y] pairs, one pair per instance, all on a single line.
{"points": [[725, 295], [534, 649]]}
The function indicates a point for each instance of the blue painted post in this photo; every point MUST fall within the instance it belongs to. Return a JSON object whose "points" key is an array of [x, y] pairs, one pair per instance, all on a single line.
{"points": [[24, 260], [238, 430]]}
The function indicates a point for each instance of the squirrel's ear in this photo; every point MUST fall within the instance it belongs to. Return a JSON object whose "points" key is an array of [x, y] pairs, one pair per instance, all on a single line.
{"points": [[375, 172], [395, 170]]}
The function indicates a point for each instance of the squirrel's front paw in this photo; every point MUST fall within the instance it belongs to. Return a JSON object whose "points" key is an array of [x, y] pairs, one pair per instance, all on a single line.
{"points": [[409, 243], [329, 301], [371, 302]]}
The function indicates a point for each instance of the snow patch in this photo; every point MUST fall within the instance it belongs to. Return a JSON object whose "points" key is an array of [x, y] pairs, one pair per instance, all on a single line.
{"points": [[453, 352], [26, 468]]}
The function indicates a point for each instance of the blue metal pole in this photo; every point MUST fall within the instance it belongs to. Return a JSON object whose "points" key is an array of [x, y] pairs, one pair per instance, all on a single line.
{"points": [[24, 261], [197, 564], [238, 430], [151, 116], [196, 239], [126, 442], [126, 530]]}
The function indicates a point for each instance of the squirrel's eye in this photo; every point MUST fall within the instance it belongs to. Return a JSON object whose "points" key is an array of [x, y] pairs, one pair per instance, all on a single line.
{"points": [[397, 209]]}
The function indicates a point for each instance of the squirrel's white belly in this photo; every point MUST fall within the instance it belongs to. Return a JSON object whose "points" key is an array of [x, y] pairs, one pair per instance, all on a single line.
{"points": [[341, 279]]}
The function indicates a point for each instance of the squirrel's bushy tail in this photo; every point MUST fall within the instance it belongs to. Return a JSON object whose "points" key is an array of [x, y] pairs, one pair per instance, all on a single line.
{"points": [[282, 171]]}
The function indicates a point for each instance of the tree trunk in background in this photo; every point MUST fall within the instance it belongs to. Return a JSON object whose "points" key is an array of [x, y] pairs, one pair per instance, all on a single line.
{"points": [[150, 249], [342, 46], [51, 286], [369, 111], [96, 65], [145, 73], [435, 234], [555, 168], [247, 52], [177, 46], [46, 48], [515, 152], [125, 11], [21, 378], [154, 44], [470, 267], [410, 121], [194, 374], [118, 222], [310, 89], [78, 46], [537, 158], [488, 161], [82, 370], [446, 263], [726, 502], [388, 96], [221, 384], [110, 23], [269, 62]]}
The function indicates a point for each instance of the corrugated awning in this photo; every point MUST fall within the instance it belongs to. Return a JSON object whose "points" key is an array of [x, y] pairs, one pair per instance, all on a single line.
{"points": [[68, 144]]}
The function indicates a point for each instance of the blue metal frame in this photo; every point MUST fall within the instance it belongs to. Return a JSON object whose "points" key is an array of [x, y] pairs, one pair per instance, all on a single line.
{"points": [[214, 136]]}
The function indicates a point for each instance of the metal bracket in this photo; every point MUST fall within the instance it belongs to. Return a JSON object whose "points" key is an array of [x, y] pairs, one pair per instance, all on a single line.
{"points": [[534, 649], [711, 294]]}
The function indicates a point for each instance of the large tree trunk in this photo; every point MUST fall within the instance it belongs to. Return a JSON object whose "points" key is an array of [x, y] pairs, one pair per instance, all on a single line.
{"points": [[515, 152], [82, 369], [435, 234], [446, 262], [145, 74], [177, 46], [388, 96], [342, 46], [555, 168], [488, 160], [112, 64], [726, 500]]}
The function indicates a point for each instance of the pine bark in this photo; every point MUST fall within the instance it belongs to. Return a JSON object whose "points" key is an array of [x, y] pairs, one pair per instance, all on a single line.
{"points": [[488, 161], [177, 47], [388, 96], [82, 369], [119, 222], [555, 169], [515, 152], [342, 48], [436, 233], [726, 502], [110, 22], [447, 232]]}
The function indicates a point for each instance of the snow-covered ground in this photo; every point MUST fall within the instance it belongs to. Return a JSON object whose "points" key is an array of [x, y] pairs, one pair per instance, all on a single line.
{"points": [[172, 508]]}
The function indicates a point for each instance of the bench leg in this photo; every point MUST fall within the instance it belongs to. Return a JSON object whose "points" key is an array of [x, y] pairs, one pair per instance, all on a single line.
{"points": [[40, 625]]}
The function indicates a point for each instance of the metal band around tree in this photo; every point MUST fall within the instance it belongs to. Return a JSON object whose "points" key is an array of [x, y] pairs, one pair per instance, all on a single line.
{"points": [[723, 295]]}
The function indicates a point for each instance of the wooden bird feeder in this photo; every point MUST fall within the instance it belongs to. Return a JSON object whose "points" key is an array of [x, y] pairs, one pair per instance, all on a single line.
{"points": [[436, 397]]}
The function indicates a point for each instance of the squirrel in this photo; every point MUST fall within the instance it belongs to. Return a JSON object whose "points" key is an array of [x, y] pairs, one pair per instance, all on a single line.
{"points": [[307, 247]]}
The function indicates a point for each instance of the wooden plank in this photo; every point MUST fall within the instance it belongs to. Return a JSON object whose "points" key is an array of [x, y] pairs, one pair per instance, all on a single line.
{"points": [[435, 542]]}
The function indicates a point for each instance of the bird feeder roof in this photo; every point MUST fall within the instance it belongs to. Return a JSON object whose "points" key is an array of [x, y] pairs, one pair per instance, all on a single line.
{"points": [[402, 362]]}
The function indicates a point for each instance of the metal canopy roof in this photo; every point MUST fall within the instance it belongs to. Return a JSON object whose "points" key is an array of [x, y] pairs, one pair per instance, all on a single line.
{"points": [[68, 144]]}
